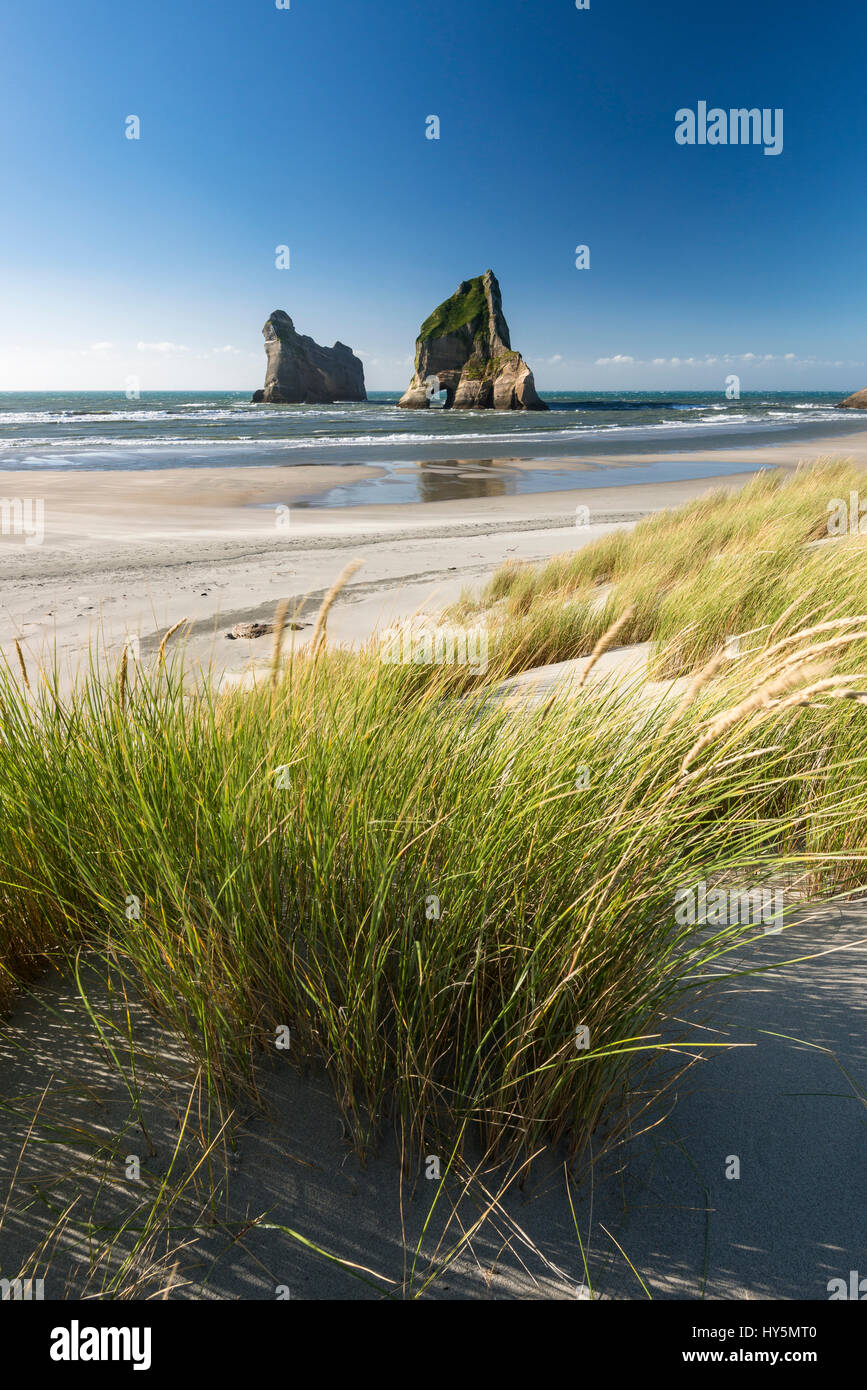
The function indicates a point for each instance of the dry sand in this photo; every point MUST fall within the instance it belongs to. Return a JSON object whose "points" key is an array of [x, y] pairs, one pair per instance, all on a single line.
{"points": [[135, 552], [144, 550], [787, 1102]]}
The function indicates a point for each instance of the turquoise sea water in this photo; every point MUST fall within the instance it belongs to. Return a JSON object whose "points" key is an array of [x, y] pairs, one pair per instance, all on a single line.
{"points": [[168, 429]]}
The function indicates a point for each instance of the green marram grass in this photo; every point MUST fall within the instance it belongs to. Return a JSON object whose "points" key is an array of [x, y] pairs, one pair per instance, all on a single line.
{"points": [[693, 577], [420, 882]]}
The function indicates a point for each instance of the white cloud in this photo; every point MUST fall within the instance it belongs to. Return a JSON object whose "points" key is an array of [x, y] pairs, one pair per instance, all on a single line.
{"points": [[758, 357], [558, 357], [619, 357], [161, 347], [101, 347]]}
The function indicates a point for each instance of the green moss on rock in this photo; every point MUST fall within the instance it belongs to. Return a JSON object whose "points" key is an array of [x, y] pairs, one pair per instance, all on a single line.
{"points": [[477, 368], [474, 370], [466, 304]]}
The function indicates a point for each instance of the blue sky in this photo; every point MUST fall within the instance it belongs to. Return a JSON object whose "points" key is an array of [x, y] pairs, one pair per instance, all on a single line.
{"points": [[306, 127]]}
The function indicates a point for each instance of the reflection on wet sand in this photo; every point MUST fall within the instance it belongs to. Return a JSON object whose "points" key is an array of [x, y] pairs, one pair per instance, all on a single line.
{"points": [[445, 480], [448, 480], [461, 480]]}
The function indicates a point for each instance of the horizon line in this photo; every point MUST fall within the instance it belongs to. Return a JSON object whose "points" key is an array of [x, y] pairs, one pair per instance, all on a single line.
{"points": [[399, 390]]}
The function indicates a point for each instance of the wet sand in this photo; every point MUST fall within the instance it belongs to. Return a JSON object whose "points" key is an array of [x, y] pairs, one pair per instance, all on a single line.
{"points": [[136, 552]]}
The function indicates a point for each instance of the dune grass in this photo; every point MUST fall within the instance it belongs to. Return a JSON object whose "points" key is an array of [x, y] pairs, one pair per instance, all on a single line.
{"points": [[427, 890], [432, 893], [719, 566], [433, 896]]}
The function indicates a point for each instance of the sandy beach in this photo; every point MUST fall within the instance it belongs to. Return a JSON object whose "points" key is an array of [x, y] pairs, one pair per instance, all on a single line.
{"points": [[433, 677], [135, 552]]}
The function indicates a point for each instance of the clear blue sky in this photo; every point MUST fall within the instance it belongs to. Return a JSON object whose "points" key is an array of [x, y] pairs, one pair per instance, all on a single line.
{"points": [[306, 127]]}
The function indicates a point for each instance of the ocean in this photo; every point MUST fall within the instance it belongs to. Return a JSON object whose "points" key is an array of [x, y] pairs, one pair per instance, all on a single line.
{"points": [[40, 430]]}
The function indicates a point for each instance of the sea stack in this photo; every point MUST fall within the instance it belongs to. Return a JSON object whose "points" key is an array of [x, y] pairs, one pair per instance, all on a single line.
{"points": [[464, 349], [856, 402], [300, 372]]}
